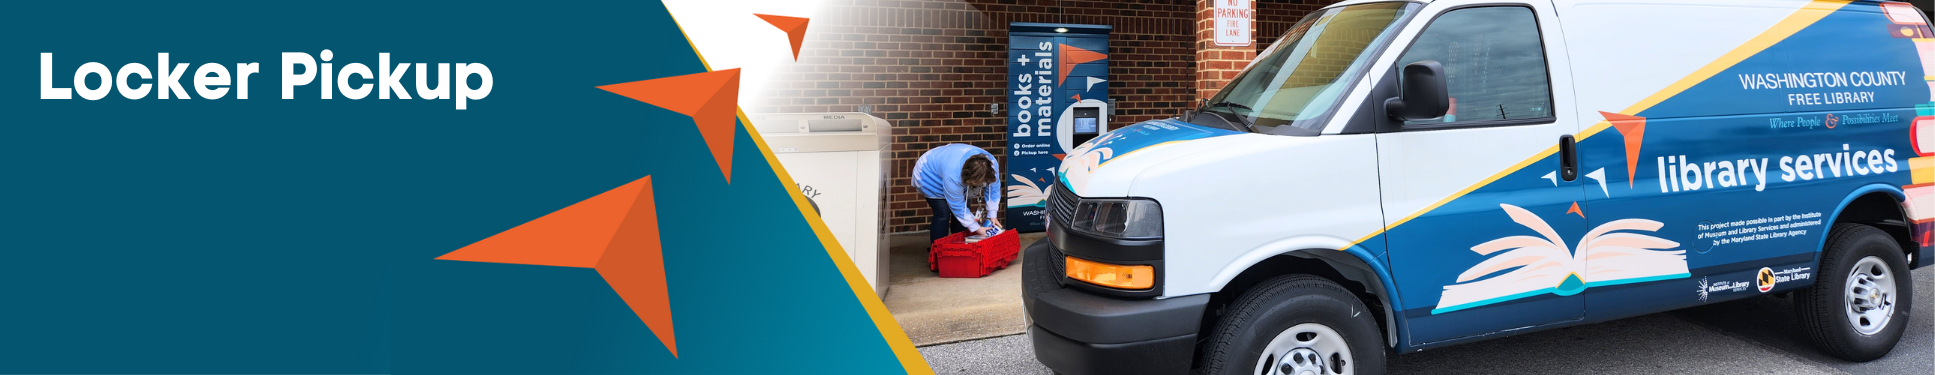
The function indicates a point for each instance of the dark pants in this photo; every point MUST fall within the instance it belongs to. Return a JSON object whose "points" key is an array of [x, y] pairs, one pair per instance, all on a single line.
{"points": [[943, 224]]}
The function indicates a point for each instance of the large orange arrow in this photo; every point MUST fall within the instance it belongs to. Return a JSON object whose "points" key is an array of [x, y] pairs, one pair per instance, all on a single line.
{"points": [[615, 233], [711, 98]]}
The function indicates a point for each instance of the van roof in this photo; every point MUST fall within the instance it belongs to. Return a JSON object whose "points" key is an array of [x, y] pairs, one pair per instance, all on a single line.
{"points": [[1355, 2]]}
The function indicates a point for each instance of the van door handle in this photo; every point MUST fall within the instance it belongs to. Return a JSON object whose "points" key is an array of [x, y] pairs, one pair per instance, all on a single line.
{"points": [[1568, 158]]}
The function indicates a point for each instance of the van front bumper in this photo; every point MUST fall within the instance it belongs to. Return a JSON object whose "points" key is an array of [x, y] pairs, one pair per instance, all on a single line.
{"points": [[1079, 332]]}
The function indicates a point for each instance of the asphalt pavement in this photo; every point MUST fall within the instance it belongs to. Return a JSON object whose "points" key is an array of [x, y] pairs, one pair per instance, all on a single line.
{"points": [[1752, 336]]}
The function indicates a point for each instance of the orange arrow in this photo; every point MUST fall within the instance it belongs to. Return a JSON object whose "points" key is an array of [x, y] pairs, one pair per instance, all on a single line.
{"points": [[795, 28], [1575, 210], [711, 98], [1634, 129], [615, 233], [1072, 56]]}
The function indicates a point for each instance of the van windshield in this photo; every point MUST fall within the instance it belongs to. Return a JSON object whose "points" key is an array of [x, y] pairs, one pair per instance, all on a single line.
{"points": [[1297, 81]]}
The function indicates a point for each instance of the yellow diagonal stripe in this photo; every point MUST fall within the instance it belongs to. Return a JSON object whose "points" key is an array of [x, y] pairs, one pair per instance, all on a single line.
{"points": [[1807, 15]]}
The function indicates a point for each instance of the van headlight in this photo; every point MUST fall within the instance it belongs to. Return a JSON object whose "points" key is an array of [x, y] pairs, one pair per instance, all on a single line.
{"points": [[1118, 218]]}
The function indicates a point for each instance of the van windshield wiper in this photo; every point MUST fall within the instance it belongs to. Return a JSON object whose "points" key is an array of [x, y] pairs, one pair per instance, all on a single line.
{"points": [[1246, 122]]}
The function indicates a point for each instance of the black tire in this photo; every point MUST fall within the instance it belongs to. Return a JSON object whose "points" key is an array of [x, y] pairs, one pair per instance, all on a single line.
{"points": [[1820, 306], [1275, 305]]}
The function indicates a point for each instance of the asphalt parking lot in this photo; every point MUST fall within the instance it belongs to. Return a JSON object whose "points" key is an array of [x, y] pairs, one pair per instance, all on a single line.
{"points": [[1753, 336]]}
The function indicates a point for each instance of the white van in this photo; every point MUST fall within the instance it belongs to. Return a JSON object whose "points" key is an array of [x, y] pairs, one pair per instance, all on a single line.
{"points": [[1394, 176]]}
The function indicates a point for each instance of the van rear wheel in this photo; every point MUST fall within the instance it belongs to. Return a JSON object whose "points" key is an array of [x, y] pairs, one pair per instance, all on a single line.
{"points": [[1858, 307], [1296, 324]]}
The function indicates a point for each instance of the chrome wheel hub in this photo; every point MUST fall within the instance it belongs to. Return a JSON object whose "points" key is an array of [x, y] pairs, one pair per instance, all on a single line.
{"points": [[1870, 295], [1305, 349], [1301, 361]]}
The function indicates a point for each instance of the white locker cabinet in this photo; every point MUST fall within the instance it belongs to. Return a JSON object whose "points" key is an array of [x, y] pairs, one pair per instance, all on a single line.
{"points": [[838, 161]]}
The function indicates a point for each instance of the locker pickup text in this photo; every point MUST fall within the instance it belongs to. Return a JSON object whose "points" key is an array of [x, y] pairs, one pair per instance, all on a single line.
{"points": [[300, 71]]}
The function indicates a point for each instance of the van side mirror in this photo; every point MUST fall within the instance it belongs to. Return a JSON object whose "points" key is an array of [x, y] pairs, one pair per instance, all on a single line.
{"points": [[1423, 96]]}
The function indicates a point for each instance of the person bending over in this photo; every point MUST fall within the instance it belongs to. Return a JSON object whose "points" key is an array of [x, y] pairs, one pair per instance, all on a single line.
{"points": [[958, 181]]}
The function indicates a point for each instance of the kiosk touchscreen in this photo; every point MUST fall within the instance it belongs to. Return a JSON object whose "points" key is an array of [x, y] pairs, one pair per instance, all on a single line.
{"points": [[1088, 124]]}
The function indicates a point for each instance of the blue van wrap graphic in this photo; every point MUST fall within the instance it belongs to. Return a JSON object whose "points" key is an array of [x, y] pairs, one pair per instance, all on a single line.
{"points": [[1741, 171], [1097, 153]]}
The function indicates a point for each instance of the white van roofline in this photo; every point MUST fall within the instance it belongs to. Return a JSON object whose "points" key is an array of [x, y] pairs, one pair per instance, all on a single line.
{"points": [[1355, 2]]}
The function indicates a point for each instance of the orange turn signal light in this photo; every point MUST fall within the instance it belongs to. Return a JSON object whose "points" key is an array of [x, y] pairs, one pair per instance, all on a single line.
{"points": [[1111, 275]]}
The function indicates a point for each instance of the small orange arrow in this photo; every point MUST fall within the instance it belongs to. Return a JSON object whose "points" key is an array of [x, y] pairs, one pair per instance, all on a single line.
{"points": [[1633, 128], [795, 28], [1575, 210]]}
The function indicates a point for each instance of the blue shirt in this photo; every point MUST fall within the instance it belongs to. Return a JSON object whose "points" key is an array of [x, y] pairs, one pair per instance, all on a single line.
{"points": [[938, 176]]}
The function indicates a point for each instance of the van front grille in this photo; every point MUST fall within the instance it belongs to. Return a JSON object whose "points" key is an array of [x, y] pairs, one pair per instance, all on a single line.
{"points": [[1061, 204], [1058, 262]]}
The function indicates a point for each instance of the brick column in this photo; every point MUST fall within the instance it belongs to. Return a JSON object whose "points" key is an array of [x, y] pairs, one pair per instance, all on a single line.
{"points": [[1217, 65]]}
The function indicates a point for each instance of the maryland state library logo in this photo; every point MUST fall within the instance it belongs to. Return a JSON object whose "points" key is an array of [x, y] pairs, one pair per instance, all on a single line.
{"points": [[1765, 280]]}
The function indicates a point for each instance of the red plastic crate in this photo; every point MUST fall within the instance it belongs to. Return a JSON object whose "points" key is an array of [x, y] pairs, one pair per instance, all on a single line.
{"points": [[954, 257]]}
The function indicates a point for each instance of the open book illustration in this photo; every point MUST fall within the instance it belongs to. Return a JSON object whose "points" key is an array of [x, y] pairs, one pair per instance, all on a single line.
{"points": [[1026, 194], [1610, 254]]}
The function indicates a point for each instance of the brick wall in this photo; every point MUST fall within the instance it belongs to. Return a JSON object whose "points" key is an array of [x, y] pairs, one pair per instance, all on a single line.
{"points": [[1216, 64], [932, 67], [1275, 17]]}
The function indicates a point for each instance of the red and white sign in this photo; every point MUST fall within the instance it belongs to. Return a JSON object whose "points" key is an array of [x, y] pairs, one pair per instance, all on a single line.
{"points": [[1233, 18]]}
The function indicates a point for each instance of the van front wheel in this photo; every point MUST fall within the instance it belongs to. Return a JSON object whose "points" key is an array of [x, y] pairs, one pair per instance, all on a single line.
{"points": [[1858, 307], [1296, 324]]}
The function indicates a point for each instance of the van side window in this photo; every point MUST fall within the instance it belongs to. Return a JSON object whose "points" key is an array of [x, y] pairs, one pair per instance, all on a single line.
{"points": [[1494, 65]]}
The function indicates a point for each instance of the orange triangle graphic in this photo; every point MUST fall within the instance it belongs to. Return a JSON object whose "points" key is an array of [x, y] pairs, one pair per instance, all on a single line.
{"points": [[711, 98], [1634, 129], [634, 265], [574, 236], [1072, 56], [1575, 210], [795, 28], [615, 233]]}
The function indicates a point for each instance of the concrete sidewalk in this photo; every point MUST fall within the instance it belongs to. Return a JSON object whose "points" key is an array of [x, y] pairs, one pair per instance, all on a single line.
{"points": [[934, 310]]}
